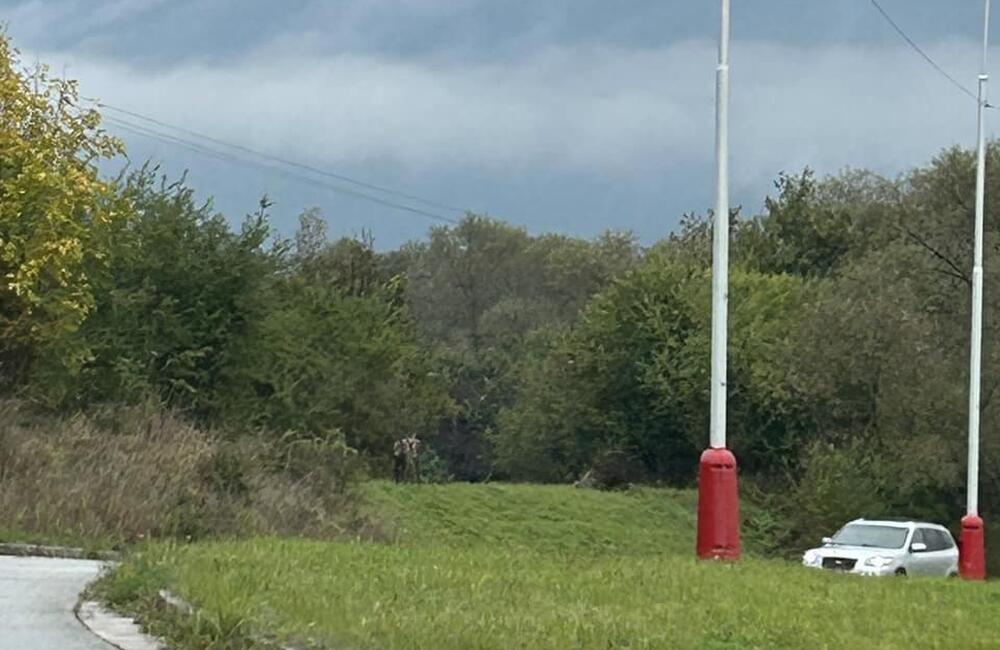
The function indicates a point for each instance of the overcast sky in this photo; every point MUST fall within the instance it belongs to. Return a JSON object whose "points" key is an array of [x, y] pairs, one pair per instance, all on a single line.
{"points": [[566, 115]]}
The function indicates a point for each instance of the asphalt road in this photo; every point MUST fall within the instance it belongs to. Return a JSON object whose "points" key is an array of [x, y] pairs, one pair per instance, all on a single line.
{"points": [[37, 596]]}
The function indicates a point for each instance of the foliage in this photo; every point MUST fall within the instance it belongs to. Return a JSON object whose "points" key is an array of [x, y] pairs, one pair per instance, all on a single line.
{"points": [[334, 353], [812, 228], [325, 362], [486, 297], [56, 215], [175, 306], [880, 357], [633, 377]]}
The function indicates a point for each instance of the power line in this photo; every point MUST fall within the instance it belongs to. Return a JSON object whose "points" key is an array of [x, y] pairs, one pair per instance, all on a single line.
{"points": [[199, 148], [899, 30], [233, 158], [281, 160]]}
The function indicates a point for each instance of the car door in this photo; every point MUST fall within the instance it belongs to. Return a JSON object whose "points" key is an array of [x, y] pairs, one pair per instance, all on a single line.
{"points": [[936, 560], [920, 563], [951, 553], [940, 551]]}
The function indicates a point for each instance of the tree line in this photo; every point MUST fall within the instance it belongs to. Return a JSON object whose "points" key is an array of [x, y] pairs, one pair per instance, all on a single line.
{"points": [[514, 356]]}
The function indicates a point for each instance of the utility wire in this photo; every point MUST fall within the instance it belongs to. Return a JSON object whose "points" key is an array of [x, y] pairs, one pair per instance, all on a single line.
{"points": [[278, 159], [944, 73], [148, 132]]}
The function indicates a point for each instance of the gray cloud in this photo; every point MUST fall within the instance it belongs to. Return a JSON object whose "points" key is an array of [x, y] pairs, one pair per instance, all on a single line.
{"points": [[35, 17], [617, 112], [158, 34], [570, 115]]}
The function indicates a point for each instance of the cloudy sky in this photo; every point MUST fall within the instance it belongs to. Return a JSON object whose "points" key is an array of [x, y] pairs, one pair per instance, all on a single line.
{"points": [[566, 115]]}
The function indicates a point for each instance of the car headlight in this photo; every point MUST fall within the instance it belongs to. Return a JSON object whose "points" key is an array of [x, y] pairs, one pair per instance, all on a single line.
{"points": [[878, 562], [811, 558]]}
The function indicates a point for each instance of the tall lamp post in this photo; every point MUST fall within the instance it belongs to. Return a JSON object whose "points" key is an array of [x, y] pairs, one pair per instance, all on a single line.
{"points": [[972, 560], [718, 496]]}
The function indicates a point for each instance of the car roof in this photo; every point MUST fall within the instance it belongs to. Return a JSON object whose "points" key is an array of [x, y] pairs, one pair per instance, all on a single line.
{"points": [[897, 523]]}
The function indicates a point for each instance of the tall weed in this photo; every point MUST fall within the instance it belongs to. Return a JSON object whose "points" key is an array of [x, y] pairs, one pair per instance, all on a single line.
{"points": [[145, 473]]}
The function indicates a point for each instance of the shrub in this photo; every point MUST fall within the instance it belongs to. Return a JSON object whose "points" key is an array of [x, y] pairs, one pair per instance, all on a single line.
{"points": [[153, 474]]}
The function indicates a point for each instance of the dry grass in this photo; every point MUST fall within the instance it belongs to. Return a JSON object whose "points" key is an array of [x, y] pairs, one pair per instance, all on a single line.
{"points": [[141, 473]]}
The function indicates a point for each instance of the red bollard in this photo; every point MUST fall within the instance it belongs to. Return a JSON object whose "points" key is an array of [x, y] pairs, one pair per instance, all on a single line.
{"points": [[972, 549], [718, 506]]}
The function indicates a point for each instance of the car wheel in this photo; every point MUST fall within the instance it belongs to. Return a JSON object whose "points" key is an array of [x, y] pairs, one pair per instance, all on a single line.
{"points": [[901, 571]]}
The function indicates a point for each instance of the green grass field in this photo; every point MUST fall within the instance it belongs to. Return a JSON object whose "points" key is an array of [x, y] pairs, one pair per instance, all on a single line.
{"points": [[501, 566]]}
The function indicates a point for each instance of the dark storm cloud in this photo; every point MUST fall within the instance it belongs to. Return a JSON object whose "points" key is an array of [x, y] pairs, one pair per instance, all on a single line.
{"points": [[574, 115]]}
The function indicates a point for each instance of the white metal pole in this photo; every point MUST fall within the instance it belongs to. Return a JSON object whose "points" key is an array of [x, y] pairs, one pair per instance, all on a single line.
{"points": [[720, 249], [975, 361]]}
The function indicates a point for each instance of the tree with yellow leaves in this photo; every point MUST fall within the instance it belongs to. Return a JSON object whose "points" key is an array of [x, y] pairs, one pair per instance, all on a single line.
{"points": [[56, 215]]}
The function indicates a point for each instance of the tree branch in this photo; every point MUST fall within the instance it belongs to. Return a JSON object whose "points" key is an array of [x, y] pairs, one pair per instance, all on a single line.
{"points": [[954, 271]]}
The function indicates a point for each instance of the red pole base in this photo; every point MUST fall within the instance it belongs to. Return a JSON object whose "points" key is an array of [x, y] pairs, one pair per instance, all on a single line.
{"points": [[718, 506], [972, 549]]}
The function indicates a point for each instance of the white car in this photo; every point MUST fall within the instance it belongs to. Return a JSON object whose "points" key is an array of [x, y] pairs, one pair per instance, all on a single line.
{"points": [[882, 548]]}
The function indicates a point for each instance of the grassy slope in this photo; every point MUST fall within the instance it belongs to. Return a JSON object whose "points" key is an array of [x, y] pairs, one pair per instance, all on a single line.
{"points": [[542, 518], [553, 567]]}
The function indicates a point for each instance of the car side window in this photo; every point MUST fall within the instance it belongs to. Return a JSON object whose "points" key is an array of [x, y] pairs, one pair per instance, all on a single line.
{"points": [[918, 537], [941, 540], [934, 539]]}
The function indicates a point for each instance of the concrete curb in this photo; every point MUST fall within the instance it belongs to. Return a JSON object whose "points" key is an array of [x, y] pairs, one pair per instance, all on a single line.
{"points": [[66, 552], [121, 632]]}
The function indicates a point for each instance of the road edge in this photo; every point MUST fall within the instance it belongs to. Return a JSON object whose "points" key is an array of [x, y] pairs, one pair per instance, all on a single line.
{"points": [[19, 549], [122, 632]]}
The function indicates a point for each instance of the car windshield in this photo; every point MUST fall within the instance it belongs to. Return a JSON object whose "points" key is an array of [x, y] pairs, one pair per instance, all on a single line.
{"points": [[868, 535]]}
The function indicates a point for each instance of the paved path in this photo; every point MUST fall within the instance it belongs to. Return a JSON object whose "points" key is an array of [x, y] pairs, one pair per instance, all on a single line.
{"points": [[37, 596]]}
